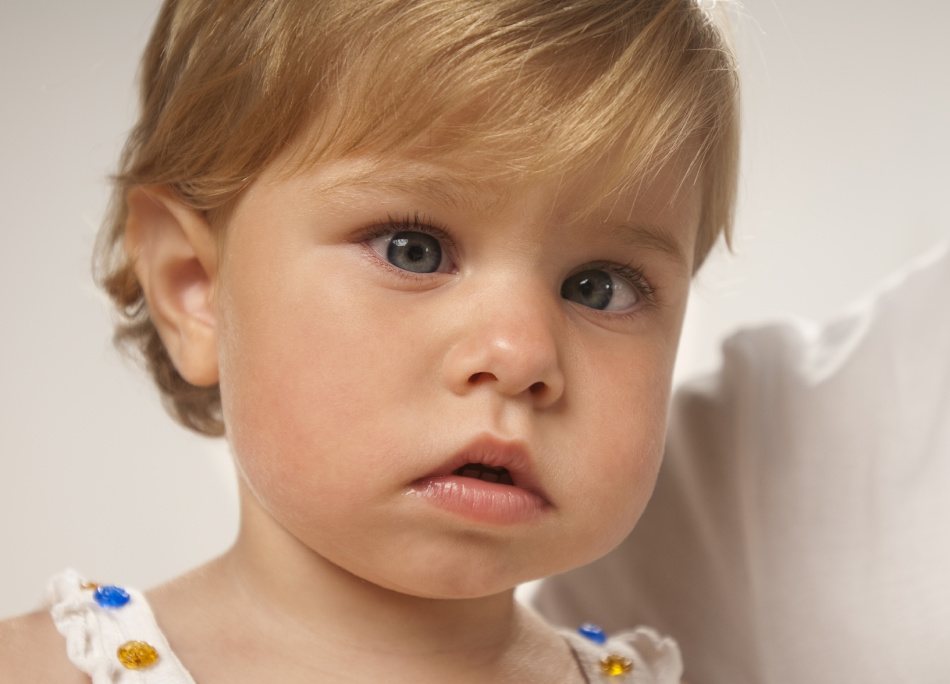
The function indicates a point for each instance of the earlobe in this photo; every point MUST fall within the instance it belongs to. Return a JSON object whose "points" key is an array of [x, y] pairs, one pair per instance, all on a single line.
{"points": [[174, 254]]}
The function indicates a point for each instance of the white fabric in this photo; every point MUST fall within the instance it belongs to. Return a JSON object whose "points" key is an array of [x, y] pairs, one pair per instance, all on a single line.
{"points": [[654, 659], [800, 530], [94, 634]]}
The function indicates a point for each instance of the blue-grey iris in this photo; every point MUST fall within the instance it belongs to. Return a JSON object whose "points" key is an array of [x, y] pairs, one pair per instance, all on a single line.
{"points": [[416, 252], [592, 288]]}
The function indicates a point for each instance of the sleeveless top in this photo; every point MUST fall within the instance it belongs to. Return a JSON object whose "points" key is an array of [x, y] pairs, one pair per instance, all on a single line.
{"points": [[111, 635]]}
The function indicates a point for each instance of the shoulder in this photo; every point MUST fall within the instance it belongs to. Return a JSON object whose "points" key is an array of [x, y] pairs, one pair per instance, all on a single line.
{"points": [[32, 651]]}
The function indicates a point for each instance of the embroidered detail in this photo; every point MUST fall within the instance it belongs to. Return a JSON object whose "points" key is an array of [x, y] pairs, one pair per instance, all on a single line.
{"points": [[593, 632], [111, 596], [615, 665], [137, 655]]}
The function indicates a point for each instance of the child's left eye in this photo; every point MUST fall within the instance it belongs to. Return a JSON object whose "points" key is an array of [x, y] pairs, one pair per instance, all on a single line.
{"points": [[600, 289], [412, 251]]}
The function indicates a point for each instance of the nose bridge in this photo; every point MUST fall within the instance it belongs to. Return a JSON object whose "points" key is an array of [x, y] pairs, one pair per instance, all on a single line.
{"points": [[508, 338]]}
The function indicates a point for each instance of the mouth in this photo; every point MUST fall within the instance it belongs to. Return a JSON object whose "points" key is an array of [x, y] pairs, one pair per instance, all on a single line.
{"points": [[489, 481], [491, 461], [485, 473]]}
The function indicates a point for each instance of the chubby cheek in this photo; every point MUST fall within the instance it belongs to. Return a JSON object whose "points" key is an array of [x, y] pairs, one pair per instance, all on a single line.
{"points": [[300, 390], [627, 405]]}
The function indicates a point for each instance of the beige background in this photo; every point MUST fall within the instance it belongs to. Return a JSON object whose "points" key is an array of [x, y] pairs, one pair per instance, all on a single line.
{"points": [[845, 178]]}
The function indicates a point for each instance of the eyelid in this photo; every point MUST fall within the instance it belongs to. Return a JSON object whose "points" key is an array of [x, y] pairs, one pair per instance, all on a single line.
{"points": [[416, 222]]}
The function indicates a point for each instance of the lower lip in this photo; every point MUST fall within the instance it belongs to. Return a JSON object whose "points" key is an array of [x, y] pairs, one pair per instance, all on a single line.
{"points": [[480, 501]]}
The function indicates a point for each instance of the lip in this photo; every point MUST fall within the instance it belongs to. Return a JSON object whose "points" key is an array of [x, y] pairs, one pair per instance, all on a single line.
{"points": [[481, 501]]}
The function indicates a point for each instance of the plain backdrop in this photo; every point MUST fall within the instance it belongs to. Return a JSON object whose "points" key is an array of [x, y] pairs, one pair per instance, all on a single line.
{"points": [[845, 176]]}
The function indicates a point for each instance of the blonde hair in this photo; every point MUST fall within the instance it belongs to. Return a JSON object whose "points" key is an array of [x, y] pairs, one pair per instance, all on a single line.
{"points": [[228, 85]]}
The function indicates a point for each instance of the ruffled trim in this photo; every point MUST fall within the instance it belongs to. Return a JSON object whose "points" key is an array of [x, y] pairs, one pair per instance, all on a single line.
{"points": [[655, 659], [94, 634]]}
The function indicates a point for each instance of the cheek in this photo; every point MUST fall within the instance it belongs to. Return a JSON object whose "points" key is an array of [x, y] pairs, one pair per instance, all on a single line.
{"points": [[627, 398], [309, 388], [290, 386], [627, 402]]}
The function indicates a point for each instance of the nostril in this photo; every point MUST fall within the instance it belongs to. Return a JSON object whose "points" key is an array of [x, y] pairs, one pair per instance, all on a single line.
{"points": [[535, 388]]}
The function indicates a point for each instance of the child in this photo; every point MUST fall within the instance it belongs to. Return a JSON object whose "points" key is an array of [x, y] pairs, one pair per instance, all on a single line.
{"points": [[424, 263]]}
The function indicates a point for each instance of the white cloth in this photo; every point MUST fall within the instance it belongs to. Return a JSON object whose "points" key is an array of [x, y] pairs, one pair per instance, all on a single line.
{"points": [[95, 633], [800, 529], [653, 659]]}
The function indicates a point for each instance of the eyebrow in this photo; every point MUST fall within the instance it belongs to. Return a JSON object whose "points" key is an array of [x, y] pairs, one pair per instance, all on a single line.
{"points": [[652, 237], [444, 188]]}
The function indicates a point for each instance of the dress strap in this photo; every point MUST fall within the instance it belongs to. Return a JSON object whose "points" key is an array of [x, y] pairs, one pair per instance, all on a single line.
{"points": [[638, 656], [111, 633]]}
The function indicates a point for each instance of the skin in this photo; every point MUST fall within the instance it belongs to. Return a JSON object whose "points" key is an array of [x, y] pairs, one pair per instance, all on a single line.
{"points": [[346, 380]]}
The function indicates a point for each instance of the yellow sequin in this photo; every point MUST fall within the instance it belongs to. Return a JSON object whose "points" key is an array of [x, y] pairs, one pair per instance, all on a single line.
{"points": [[137, 655], [614, 665]]}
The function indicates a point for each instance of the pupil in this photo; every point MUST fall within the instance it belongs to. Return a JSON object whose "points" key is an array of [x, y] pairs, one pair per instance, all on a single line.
{"points": [[593, 288], [414, 251]]}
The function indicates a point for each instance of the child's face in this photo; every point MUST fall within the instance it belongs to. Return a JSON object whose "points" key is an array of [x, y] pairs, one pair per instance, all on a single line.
{"points": [[382, 324]]}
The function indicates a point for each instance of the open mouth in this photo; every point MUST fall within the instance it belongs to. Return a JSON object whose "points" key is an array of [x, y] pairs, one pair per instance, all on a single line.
{"points": [[480, 471], [490, 481]]}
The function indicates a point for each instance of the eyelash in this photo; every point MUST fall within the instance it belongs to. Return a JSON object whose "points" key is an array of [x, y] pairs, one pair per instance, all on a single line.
{"points": [[416, 223], [633, 274]]}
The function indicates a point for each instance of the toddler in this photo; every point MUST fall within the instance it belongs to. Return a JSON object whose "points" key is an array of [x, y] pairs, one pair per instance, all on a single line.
{"points": [[424, 263]]}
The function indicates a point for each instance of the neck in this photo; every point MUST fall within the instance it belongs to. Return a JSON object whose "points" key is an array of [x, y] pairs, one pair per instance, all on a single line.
{"points": [[287, 614], [278, 575]]}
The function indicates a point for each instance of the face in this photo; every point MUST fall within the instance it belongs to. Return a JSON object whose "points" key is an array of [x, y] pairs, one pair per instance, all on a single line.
{"points": [[448, 387]]}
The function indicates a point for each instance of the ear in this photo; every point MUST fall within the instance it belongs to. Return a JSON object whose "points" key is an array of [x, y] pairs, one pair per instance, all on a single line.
{"points": [[174, 254]]}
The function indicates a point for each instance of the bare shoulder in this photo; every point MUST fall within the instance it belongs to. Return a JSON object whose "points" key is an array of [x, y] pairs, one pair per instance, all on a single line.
{"points": [[33, 652]]}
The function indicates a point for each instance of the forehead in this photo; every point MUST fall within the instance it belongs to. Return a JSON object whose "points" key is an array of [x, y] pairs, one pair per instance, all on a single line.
{"points": [[658, 211]]}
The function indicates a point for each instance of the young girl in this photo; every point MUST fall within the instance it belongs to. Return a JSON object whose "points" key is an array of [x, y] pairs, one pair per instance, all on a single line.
{"points": [[424, 263]]}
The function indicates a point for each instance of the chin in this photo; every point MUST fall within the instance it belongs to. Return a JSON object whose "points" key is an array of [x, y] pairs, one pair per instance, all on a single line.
{"points": [[456, 585], [463, 579]]}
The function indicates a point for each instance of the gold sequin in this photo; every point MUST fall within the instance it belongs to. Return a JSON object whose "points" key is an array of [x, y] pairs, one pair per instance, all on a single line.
{"points": [[137, 655], [88, 585], [614, 665]]}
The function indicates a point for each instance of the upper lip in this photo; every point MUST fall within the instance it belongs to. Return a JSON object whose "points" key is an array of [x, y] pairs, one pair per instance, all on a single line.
{"points": [[497, 453]]}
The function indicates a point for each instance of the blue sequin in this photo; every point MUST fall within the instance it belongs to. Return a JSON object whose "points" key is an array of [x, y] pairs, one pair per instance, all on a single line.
{"points": [[593, 632], [111, 597]]}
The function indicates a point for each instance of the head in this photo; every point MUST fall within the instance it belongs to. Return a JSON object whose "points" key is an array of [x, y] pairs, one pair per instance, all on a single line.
{"points": [[585, 113]]}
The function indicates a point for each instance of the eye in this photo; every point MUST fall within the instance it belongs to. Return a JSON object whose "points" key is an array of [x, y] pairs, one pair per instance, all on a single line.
{"points": [[601, 290], [412, 251]]}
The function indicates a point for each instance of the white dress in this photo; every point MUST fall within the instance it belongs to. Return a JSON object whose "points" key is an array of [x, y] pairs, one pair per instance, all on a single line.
{"points": [[111, 635]]}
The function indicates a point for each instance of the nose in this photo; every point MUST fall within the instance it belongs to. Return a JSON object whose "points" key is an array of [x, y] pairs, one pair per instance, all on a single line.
{"points": [[509, 344]]}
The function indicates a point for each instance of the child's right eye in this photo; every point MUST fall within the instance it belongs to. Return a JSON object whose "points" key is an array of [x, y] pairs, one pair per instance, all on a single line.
{"points": [[412, 251]]}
